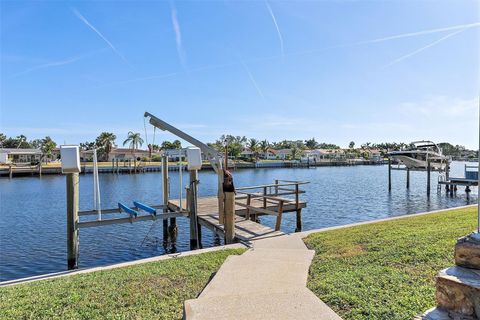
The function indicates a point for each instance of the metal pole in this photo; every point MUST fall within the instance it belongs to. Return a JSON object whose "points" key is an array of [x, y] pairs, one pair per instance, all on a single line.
{"points": [[429, 168], [193, 209], [389, 174], [478, 188], [408, 178], [165, 194], [180, 174]]}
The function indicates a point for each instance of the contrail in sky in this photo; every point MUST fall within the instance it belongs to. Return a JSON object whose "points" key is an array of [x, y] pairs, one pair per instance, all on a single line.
{"points": [[280, 37], [82, 18], [178, 37], [254, 82], [58, 63], [50, 64], [459, 29], [419, 33], [425, 47]]}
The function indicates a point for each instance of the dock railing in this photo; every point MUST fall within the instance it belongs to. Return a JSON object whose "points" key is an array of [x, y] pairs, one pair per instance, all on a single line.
{"points": [[272, 194]]}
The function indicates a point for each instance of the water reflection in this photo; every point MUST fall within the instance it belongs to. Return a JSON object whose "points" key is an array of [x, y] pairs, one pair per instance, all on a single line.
{"points": [[33, 222]]}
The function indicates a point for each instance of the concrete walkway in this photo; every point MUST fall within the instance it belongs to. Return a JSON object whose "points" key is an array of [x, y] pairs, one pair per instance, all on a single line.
{"points": [[267, 282]]}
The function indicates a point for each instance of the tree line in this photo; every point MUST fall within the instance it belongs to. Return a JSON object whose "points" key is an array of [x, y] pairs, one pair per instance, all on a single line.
{"points": [[105, 142]]}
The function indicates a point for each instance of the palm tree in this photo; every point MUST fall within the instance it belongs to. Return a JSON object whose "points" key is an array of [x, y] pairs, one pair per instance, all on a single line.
{"points": [[311, 144], [47, 148], [134, 140], [265, 146], [21, 140], [294, 152], [105, 141], [253, 146]]}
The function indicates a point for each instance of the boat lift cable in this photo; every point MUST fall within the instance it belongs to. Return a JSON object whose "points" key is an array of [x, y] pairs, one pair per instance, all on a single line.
{"points": [[214, 156]]}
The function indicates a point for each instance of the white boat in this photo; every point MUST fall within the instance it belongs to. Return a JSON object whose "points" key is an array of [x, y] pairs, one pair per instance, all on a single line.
{"points": [[419, 154]]}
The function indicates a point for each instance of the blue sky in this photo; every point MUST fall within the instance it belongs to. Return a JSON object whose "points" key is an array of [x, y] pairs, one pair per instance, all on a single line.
{"points": [[334, 70]]}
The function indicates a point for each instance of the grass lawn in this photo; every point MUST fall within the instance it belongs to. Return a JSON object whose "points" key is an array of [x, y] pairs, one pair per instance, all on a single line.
{"points": [[153, 290], [386, 270]]}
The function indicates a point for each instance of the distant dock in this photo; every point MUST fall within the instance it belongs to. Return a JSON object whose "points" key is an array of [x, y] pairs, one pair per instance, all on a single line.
{"points": [[130, 168]]}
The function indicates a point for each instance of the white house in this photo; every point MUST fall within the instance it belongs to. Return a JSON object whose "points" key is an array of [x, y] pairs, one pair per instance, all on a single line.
{"points": [[127, 154], [283, 154], [20, 156]]}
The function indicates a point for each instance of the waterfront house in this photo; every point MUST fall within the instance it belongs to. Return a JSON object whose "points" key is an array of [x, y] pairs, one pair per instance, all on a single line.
{"points": [[284, 154], [20, 156], [246, 153], [122, 154], [271, 154]]}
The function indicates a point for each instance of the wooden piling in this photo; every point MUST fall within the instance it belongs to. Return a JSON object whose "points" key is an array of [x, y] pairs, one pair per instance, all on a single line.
{"points": [[299, 210], [40, 169], [193, 194], [10, 171], [72, 220], [113, 165], [389, 174], [408, 178], [229, 217], [429, 169]]}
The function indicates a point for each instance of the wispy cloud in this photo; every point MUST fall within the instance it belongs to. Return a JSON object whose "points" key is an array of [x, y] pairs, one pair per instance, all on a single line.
{"points": [[84, 20], [254, 82], [420, 33], [408, 55], [58, 63], [49, 65], [461, 27], [441, 107], [178, 37], [280, 37]]}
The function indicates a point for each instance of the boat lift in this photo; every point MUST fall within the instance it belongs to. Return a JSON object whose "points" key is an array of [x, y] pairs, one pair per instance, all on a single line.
{"points": [[139, 211]]}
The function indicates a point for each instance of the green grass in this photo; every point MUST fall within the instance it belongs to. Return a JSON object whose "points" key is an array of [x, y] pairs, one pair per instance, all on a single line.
{"points": [[386, 270], [154, 290]]}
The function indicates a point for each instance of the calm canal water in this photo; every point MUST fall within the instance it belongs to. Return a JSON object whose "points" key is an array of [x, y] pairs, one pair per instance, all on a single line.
{"points": [[33, 216]]}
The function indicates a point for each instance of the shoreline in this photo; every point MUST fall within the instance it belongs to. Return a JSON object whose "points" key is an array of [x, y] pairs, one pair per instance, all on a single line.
{"points": [[302, 235], [88, 169]]}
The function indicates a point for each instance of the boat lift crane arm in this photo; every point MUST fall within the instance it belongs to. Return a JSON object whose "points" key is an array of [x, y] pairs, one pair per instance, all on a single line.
{"points": [[212, 154]]}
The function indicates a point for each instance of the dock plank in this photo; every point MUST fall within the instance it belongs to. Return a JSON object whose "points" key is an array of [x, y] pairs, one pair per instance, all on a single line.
{"points": [[245, 230]]}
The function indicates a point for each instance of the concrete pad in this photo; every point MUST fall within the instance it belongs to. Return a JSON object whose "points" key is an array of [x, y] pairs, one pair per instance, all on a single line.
{"points": [[289, 241], [249, 278], [283, 254], [296, 304]]}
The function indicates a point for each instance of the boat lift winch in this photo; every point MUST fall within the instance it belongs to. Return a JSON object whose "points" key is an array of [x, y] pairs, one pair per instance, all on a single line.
{"points": [[139, 211]]}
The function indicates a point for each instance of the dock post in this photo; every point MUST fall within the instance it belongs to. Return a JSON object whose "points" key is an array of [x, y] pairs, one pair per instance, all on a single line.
{"points": [[165, 187], [113, 165], [229, 217], [40, 169], [10, 171], [408, 178], [429, 169], [389, 174], [299, 210], [72, 220], [193, 209]]}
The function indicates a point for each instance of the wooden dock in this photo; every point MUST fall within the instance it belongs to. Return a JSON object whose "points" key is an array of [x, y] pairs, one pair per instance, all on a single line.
{"points": [[245, 229]]}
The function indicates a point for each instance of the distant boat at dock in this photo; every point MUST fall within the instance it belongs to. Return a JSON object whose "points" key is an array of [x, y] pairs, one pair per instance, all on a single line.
{"points": [[420, 154]]}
